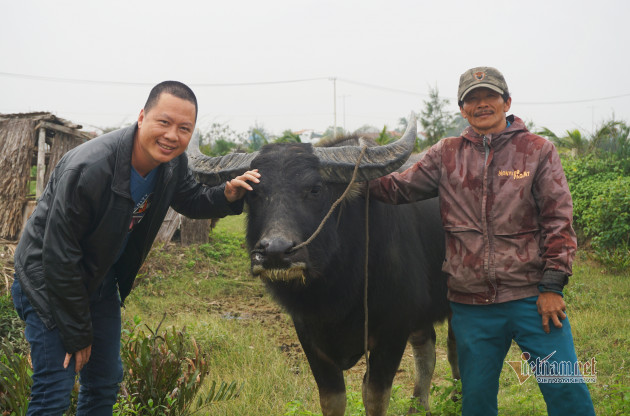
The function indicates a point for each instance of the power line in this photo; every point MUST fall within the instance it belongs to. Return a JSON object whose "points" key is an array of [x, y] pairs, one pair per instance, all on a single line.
{"points": [[382, 88], [277, 82], [573, 101], [149, 84], [225, 84]]}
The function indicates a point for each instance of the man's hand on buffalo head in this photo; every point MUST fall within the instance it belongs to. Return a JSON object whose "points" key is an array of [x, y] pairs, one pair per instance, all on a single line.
{"points": [[238, 187]]}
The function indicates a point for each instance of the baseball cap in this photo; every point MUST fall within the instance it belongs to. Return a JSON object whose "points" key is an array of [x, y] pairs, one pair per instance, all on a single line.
{"points": [[481, 76]]}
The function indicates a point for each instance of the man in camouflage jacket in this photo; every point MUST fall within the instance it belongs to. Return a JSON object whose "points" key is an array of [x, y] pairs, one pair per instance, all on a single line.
{"points": [[507, 213]]}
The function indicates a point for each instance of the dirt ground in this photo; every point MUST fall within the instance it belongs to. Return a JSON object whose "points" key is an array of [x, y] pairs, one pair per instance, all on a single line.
{"points": [[269, 314]]}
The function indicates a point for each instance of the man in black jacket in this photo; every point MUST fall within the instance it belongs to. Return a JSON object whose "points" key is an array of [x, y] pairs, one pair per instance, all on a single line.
{"points": [[91, 231]]}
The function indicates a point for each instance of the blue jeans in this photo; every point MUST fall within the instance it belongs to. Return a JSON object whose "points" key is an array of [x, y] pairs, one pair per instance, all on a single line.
{"points": [[484, 334], [99, 379]]}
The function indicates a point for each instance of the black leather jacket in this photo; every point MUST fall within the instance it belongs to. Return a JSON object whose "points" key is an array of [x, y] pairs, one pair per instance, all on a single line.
{"points": [[81, 220]]}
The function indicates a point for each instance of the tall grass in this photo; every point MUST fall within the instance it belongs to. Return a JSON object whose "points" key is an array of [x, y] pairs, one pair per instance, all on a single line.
{"points": [[209, 290]]}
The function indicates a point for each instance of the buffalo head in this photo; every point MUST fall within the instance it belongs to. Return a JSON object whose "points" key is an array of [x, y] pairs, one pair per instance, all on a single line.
{"points": [[298, 185]]}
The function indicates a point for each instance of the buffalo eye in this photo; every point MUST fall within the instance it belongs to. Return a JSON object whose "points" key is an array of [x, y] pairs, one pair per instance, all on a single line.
{"points": [[315, 190]]}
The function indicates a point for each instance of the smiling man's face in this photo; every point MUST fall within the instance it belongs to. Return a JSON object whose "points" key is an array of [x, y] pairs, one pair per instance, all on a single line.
{"points": [[163, 132], [485, 110]]}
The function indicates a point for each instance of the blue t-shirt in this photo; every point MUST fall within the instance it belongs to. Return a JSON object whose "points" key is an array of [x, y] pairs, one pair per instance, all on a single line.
{"points": [[141, 192]]}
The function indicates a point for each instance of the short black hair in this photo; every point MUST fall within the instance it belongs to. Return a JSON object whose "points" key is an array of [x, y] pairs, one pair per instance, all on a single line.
{"points": [[176, 88], [505, 97]]}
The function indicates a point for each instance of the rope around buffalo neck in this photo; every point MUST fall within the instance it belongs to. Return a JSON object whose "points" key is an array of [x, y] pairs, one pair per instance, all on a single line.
{"points": [[367, 247], [334, 205], [365, 291]]}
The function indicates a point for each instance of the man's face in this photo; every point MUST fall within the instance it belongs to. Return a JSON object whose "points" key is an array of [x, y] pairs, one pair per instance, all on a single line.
{"points": [[163, 132], [485, 110]]}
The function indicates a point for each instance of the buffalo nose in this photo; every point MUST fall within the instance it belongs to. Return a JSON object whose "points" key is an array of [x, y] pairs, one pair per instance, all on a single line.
{"points": [[275, 248]]}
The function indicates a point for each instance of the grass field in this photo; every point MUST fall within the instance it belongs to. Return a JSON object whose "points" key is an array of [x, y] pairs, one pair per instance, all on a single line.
{"points": [[208, 289]]}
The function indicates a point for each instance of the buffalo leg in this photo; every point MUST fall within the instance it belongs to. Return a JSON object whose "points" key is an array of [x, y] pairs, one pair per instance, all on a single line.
{"points": [[384, 361], [330, 383], [423, 346], [451, 345], [328, 376]]}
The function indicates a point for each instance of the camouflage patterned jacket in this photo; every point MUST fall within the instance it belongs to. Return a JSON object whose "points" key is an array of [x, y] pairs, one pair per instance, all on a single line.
{"points": [[506, 210]]}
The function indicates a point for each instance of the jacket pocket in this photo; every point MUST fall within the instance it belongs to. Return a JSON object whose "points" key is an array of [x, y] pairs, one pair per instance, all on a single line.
{"points": [[465, 260], [518, 258]]}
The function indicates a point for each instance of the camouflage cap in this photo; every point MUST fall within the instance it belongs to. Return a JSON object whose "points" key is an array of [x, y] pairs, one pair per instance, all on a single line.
{"points": [[482, 76]]}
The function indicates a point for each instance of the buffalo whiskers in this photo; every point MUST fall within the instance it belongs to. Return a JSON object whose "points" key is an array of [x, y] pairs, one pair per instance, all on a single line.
{"points": [[293, 272]]}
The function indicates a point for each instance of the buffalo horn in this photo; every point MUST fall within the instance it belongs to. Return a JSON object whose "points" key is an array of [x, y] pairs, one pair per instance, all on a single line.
{"points": [[337, 163], [214, 171]]}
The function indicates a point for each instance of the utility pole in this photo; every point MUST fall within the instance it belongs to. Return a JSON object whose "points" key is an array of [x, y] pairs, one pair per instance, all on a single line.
{"points": [[344, 112], [334, 80]]}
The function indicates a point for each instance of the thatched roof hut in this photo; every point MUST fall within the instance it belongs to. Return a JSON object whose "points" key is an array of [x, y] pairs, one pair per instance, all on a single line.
{"points": [[31, 144]]}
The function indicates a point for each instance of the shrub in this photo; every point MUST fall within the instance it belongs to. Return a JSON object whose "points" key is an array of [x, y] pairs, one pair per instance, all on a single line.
{"points": [[11, 326], [15, 380], [607, 219], [601, 206], [164, 372]]}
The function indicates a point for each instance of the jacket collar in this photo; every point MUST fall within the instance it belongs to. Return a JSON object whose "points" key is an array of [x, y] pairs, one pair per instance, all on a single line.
{"points": [[516, 125], [122, 165]]}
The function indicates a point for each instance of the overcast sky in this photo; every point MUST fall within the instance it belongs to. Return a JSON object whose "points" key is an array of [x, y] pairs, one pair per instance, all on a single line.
{"points": [[93, 62]]}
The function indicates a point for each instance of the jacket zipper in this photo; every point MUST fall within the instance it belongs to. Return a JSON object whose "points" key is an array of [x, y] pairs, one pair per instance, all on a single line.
{"points": [[487, 149], [485, 216]]}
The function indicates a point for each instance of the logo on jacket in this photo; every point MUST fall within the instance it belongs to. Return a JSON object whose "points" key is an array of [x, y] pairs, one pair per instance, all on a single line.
{"points": [[515, 174]]}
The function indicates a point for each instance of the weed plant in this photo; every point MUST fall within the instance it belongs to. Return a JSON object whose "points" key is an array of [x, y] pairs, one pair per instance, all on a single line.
{"points": [[15, 380], [164, 372], [11, 326]]}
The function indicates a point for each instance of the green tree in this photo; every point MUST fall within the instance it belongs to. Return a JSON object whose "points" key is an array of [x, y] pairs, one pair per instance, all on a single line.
{"points": [[366, 128], [220, 140], [457, 127], [328, 134], [288, 137], [258, 137], [219, 131], [402, 124], [435, 118], [222, 147], [573, 141], [613, 139], [384, 137]]}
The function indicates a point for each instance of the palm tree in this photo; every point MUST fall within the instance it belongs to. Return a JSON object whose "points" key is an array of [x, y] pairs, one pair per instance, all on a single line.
{"points": [[573, 141], [384, 137], [613, 137], [258, 137]]}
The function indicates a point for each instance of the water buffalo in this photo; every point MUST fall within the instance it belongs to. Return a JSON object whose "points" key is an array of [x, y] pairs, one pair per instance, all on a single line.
{"points": [[322, 284]]}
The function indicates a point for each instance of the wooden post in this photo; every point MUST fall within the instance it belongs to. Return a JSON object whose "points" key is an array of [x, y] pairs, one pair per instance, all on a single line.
{"points": [[41, 163], [169, 226], [194, 231]]}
